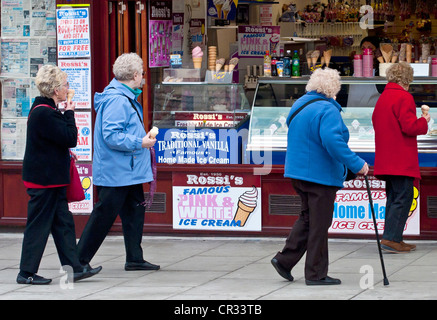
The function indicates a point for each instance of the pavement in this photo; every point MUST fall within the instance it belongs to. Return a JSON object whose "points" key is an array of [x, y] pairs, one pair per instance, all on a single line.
{"points": [[225, 268]]}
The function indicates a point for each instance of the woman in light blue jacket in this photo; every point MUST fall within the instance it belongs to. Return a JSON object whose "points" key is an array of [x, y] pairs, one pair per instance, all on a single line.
{"points": [[317, 161], [121, 164]]}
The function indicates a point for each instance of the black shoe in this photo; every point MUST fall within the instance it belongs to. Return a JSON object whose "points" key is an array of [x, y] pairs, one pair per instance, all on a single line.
{"points": [[281, 270], [35, 279], [324, 281], [87, 272], [131, 266]]}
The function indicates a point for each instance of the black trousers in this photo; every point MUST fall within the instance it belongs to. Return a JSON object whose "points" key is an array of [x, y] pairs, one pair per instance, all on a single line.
{"points": [[400, 194], [47, 212], [310, 231], [115, 201]]}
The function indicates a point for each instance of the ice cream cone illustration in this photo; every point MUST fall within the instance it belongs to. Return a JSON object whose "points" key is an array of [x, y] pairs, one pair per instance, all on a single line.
{"points": [[70, 94], [219, 10], [226, 9], [197, 55], [219, 5], [246, 205]]}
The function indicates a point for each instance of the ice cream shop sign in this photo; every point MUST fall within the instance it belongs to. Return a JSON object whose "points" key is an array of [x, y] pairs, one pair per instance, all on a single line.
{"points": [[216, 201]]}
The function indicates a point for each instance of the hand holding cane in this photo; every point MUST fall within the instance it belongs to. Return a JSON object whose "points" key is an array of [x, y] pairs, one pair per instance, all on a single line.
{"points": [[376, 231]]}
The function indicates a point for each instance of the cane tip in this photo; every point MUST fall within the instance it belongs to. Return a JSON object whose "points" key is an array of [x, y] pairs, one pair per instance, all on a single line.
{"points": [[386, 282]]}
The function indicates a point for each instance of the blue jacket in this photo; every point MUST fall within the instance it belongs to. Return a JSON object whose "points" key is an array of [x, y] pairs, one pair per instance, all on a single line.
{"points": [[317, 149], [119, 160]]}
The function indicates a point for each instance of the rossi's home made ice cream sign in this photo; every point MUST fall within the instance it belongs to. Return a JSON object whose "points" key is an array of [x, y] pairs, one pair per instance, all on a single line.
{"points": [[217, 201], [352, 212]]}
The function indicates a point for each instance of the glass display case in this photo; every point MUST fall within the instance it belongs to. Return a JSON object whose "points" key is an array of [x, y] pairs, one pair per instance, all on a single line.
{"points": [[200, 123], [358, 96], [200, 105]]}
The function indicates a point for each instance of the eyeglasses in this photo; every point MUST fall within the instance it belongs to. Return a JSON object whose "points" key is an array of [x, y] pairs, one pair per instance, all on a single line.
{"points": [[67, 85]]}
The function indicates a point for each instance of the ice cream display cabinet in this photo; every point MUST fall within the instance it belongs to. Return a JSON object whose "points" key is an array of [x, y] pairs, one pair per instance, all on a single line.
{"points": [[267, 143], [200, 123], [202, 185]]}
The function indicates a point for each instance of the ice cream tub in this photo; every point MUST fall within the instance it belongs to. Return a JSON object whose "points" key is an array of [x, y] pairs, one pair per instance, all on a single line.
{"points": [[420, 69], [383, 67]]}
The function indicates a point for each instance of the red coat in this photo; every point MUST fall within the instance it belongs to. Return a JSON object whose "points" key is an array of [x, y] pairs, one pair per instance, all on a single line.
{"points": [[396, 129]]}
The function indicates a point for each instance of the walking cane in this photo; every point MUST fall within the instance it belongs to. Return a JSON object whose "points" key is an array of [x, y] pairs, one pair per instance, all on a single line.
{"points": [[376, 231]]}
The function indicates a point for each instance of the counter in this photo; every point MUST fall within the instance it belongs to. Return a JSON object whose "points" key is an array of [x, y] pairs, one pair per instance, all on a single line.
{"points": [[267, 143]]}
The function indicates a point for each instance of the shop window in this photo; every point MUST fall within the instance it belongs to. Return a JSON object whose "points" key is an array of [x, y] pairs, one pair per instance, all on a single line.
{"points": [[28, 40]]}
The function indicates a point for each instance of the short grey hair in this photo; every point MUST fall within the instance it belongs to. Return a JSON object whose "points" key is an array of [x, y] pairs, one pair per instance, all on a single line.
{"points": [[401, 73], [325, 81], [48, 78], [126, 65]]}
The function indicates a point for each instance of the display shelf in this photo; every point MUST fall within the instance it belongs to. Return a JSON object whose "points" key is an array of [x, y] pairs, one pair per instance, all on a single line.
{"points": [[274, 98]]}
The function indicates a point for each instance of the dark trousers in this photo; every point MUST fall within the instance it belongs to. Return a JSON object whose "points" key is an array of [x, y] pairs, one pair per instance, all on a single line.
{"points": [[400, 195], [47, 212], [115, 201], [310, 232]]}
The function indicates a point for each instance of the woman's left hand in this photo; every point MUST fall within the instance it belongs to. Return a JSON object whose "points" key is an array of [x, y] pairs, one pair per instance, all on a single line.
{"points": [[148, 142], [72, 154], [364, 170]]}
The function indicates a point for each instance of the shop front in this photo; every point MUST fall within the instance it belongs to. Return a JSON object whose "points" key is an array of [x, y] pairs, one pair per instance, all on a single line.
{"points": [[220, 102]]}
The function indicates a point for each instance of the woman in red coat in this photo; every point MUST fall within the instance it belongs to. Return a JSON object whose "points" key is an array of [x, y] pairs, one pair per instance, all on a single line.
{"points": [[396, 157]]}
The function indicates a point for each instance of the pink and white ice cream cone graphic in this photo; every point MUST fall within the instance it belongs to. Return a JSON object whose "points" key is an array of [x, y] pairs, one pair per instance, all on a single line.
{"points": [[246, 205]]}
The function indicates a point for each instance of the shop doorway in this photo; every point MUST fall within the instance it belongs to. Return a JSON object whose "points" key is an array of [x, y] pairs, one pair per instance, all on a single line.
{"points": [[128, 32]]}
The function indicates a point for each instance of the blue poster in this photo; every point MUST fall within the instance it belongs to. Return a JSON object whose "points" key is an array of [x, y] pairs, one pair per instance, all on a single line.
{"points": [[200, 146], [223, 9]]}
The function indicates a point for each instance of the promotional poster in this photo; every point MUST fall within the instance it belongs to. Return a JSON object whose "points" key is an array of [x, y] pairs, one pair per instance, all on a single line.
{"points": [[217, 201]]}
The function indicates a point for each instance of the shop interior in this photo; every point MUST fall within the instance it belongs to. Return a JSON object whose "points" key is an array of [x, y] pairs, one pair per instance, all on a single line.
{"points": [[324, 33]]}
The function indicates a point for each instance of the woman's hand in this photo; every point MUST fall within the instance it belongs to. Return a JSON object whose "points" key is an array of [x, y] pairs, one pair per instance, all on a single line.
{"points": [[148, 142], [427, 117], [73, 155], [364, 170], [70, 105]]}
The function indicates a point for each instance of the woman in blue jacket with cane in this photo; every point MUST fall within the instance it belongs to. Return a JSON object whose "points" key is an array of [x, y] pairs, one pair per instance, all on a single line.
{"points": [[317, 161]]}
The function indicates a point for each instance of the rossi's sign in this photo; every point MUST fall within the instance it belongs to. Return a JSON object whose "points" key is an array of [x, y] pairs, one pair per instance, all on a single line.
{"points": [[352, 211], [216, 201]]}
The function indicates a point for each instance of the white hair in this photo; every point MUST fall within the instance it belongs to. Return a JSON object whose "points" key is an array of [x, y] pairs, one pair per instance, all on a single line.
{"points": [[325, 81], [48, 78], [126, 65]]}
